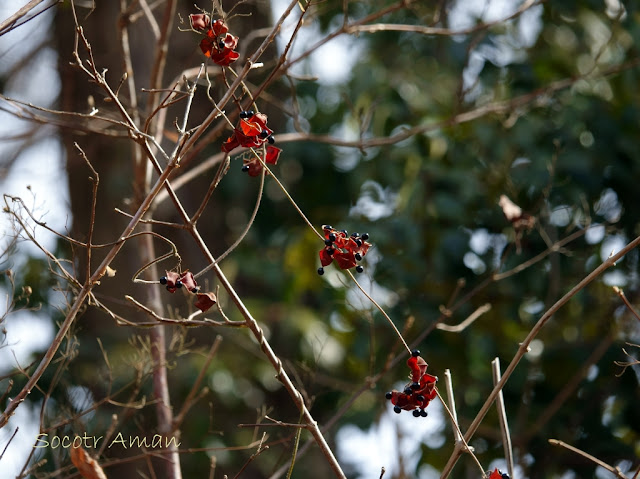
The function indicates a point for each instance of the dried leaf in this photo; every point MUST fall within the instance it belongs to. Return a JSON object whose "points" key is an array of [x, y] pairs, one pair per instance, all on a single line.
{"points": [[87, 466], [204, 301]]}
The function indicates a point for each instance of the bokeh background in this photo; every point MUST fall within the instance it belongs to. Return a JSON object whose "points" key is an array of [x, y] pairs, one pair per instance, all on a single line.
{"points": [[411, 136]]}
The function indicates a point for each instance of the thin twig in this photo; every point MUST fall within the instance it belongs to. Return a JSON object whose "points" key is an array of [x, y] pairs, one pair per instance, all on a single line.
{"points": [[614, 470], [461, 445], [502, 418], [384, 313], [624, 299], [452, 400], [524, 346], [467, 322]]}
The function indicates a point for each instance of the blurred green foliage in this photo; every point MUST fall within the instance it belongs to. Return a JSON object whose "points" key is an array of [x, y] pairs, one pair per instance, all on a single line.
{"points": [[568, 156]]}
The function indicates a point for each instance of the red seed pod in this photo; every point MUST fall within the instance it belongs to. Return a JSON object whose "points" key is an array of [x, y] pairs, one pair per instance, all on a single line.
{"points": [[199, 21], [247, 134], [346, 250], [419, 392], [219, 45]]}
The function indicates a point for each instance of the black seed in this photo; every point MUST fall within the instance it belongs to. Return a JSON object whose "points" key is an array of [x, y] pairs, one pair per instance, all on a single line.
{"points": [[397, 409], [245, 168], [330, 251], [415, 386], [389, 395], [364, 236], [408, 391], [178, 284], [271, 140], [264, 134], [345, 232], [196, 289], [355, 235], [359, 242], [328, 242], [415, 353], [163, 280], [420, 397], [358, 257], [327, 227], [416, 413], [250, 113], [423, 413], [320, 271], [244, 114], [359, 269], [221, 44], [332, 237]]}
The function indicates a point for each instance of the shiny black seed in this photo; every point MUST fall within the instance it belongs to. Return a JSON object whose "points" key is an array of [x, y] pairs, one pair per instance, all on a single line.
{"points": [[250, 113], [416, 413], [408, 391], [332, 237], [359, 269], [244, 114], [264, 134], [328, 242], [355, 235], [364, 236], [345, 232], [420, 397], [221, 44], [389, 395], [196, 289], [415, 353], [178, 284], [415, 386], [358, 257], [163, 280], [320, 271], [423, 413], [245, 168], [359, 242], [271, 140], [330, 251], [397, 409]]}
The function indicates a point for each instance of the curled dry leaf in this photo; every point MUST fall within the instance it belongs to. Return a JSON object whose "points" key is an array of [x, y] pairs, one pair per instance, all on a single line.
{"points": [[511, 211], [514, 214], [204, 301], [87, 466]]}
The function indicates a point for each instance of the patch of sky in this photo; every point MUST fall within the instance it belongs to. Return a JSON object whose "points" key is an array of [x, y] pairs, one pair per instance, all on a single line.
{"points": [[501, 49], [393, 437], [611, 245], [608, 206], [594, 234], [374, 202], [332, 63], [561, 216]]}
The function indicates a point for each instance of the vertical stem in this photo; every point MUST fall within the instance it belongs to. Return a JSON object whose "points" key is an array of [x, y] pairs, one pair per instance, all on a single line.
{"points": [[502, 418], [164, 413], [524, 346], [452, 404]]}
